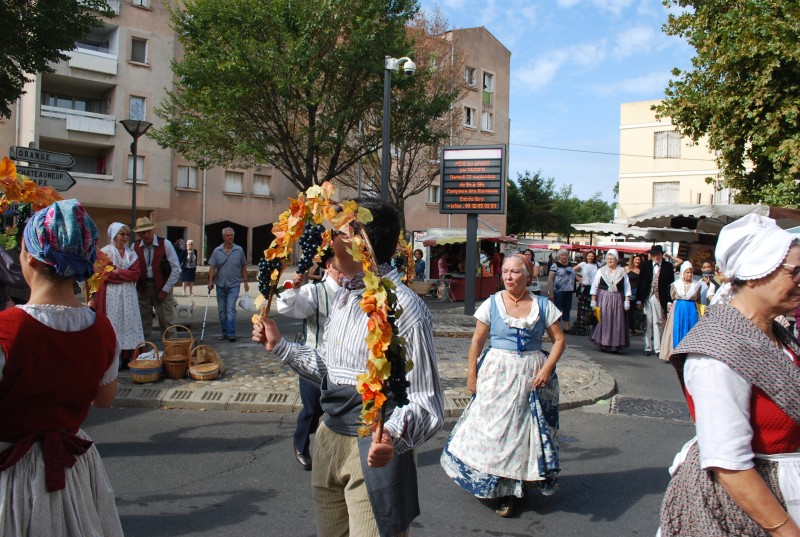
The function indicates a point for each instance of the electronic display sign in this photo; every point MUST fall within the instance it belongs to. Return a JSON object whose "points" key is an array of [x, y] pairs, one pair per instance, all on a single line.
{"points": [[473, 180]]}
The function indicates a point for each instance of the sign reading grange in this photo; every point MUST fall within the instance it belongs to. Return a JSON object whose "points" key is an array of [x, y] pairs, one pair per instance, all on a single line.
{"points": [[473, 180]]}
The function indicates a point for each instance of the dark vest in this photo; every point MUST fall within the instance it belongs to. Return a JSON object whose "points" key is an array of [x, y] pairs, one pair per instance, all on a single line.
{"points": [[158, 254]]}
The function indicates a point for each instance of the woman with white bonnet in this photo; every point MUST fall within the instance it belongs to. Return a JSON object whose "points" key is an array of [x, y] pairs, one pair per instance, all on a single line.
{"points": [[611, 292], [740, 373], [117, 298], [685, 296]]}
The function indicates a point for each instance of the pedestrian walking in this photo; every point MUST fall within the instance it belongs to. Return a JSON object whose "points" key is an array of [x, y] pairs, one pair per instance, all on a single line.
{"points": [[159, 272], [57, 359], [228, 269], [561, 286], [611, 292], [739, 370], [505, 439], [313, 304], [585, 271], [381, 496], [652, 297]]}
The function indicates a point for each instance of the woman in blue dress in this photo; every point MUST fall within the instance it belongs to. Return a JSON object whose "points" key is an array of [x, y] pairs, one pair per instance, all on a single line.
{"points": [[506, 437], [685, 295]]}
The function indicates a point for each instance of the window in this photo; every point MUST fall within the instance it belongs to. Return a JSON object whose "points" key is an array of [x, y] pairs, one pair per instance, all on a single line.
{"points": [[141, 3], [187, 177], [81, 104], [667, 144], [486, 122], [137, 108], [471, 77], [261, 184], [139, 168], [233, 183], [139, 50], [469, 117], [488, 88], [666, 192], [433, 194]]}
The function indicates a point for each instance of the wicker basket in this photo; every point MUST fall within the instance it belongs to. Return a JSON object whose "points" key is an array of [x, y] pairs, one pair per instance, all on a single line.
{"points": [[144, 371], [178, 340], [204, 363], [175, 366]]}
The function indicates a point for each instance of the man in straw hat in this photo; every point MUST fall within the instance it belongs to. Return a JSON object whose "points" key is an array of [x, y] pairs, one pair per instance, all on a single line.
{"points": [[160, 270]]}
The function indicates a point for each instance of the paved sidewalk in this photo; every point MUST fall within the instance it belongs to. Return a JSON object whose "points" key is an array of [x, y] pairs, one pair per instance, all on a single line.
{"points": [[256, 380]]}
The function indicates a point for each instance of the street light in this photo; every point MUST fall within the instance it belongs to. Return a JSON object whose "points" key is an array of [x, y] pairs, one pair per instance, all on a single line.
{"points": [[409, 68], [135, 128]]}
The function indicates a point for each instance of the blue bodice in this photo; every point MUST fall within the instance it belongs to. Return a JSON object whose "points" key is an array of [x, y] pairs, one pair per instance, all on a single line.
{"points": [[502, 336]]}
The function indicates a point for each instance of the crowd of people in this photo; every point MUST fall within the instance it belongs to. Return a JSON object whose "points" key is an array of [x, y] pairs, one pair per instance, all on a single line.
{"points": [[724, 331]]}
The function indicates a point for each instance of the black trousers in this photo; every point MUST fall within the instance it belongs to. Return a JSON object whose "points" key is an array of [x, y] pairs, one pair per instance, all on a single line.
{"points": [[308, 419]]}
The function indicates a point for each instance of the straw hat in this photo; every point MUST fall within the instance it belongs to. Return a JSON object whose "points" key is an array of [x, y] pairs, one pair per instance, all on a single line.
{"points": [[143, 224]]}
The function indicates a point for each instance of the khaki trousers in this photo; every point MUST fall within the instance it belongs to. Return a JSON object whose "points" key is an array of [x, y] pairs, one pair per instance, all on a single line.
{"points": [[165, 310], [340, 494]]}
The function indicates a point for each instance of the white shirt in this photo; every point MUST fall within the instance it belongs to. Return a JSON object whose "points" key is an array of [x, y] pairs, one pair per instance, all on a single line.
{"points": [[722, 412], [302, 303], [172, 257]]}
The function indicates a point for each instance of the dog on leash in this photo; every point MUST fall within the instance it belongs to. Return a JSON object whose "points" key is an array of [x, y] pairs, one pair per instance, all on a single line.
{"points": [[185, 309]]}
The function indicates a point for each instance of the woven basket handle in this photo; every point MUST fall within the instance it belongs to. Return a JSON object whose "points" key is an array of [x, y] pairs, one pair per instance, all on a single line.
{"points": [[193, 357], [176, 327], [144, 344]]}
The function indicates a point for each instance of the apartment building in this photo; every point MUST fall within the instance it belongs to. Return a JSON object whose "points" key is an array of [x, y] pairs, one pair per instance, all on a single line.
{"points": [[658, 167], [122, 70], [485, 120]]}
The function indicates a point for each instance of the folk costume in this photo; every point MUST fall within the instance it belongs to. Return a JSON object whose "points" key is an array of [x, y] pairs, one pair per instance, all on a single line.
{"points": [[506, 437], [613, 291], [653, 294], [683, 315], [53, 361], [389, 494], [159, 270]]}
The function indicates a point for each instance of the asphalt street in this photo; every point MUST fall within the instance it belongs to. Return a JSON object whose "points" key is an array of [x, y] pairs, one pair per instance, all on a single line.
{"points": [[189, 472]]}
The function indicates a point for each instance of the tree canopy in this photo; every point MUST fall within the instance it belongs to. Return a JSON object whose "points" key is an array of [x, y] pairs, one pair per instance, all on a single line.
{"points": [[283, 82], [743, 92], [422, 114], [40, 33]]}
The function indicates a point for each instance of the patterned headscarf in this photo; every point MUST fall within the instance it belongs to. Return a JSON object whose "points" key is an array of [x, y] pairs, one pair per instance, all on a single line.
{"points": [[63, 236], [528, 266]]}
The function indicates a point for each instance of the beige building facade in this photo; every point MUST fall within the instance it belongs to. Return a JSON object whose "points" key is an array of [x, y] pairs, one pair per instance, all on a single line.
{"points": [[122, 71], [659, 167]]}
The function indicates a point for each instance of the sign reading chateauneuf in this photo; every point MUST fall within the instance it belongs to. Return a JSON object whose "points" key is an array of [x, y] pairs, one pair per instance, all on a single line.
{"points": [[61, 180], [473, 180]]}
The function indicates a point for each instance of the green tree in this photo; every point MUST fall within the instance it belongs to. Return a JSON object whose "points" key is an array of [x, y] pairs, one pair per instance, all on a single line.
{"points": [[742, 92], [539, 196], [422, 115], [40, 33], [283, 82], [518, 212]]}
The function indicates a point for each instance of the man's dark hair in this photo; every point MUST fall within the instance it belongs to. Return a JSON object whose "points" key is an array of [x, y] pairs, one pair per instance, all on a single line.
{"points": [[327, 255], [384, 230]]}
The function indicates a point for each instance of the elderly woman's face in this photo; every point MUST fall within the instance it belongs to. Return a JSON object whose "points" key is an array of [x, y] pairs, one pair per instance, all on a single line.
{"points": [[611, 261], [564, 258], [514, 277], [783, 287], [121, 238]]}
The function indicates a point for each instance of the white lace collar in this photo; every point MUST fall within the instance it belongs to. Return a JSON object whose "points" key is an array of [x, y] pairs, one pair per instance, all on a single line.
{"points": [[514, 322]]}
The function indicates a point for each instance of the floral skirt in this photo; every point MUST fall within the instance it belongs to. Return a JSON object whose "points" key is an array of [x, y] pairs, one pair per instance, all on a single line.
{"points": [[506, 437]]}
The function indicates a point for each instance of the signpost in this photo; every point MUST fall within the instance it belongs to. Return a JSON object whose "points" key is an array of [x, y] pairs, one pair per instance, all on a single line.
{"points": [[51, 158], [61, 180], [473, 183]]}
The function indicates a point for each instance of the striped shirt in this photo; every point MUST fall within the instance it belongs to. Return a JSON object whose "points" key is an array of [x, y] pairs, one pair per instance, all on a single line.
{"points": [[343, 355]]}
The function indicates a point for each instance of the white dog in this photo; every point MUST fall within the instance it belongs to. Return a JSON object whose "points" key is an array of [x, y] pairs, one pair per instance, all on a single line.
{"points": [[187, 309]]}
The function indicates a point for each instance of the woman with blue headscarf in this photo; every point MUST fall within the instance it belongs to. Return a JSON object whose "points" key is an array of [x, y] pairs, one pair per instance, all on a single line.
{"points": [[117, 298], [57, 358]]}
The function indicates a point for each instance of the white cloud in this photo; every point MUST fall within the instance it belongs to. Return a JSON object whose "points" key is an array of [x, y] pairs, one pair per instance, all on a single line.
{"points": [[635, 41], [568, 3], [614, 6], [543, 69], [650, 86]]}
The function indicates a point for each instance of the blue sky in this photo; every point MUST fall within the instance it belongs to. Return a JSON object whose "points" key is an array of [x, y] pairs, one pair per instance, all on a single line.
{"points": [[573, 62]]}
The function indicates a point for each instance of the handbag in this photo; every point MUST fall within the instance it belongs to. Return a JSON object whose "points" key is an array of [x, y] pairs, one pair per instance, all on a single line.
{"points": [[245, 302]]}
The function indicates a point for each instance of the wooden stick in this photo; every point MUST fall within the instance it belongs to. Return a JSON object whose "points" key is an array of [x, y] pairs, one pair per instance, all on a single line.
{"points": [[265, 309]]}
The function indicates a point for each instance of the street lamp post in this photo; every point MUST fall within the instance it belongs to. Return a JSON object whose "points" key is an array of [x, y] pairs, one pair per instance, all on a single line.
{"points": [[135, 128], [409, 68]]}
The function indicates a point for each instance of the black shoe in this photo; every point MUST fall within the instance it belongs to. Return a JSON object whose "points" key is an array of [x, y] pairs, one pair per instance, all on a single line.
{"points": [[303, 459], [505, 507], [648, 353], [232, 339]]}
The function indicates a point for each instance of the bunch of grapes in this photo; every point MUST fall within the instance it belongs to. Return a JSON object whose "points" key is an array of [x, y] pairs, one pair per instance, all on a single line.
{"points": [[309, 242], [265, 269], [23, 213]]}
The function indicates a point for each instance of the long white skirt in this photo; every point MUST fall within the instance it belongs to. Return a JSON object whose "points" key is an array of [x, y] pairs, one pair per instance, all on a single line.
{"points": [[85, 507]]}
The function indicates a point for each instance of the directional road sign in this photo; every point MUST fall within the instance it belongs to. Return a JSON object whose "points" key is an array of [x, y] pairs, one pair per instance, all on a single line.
{"points": [[27, 154], [61, 180]]}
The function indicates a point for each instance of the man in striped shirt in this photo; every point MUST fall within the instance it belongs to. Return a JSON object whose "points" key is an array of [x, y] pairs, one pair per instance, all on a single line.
{"points": [[366, 486]]}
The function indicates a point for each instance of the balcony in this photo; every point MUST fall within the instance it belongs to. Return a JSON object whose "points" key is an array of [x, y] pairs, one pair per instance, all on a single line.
{"points": [[82, 121], [99, 60]]}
